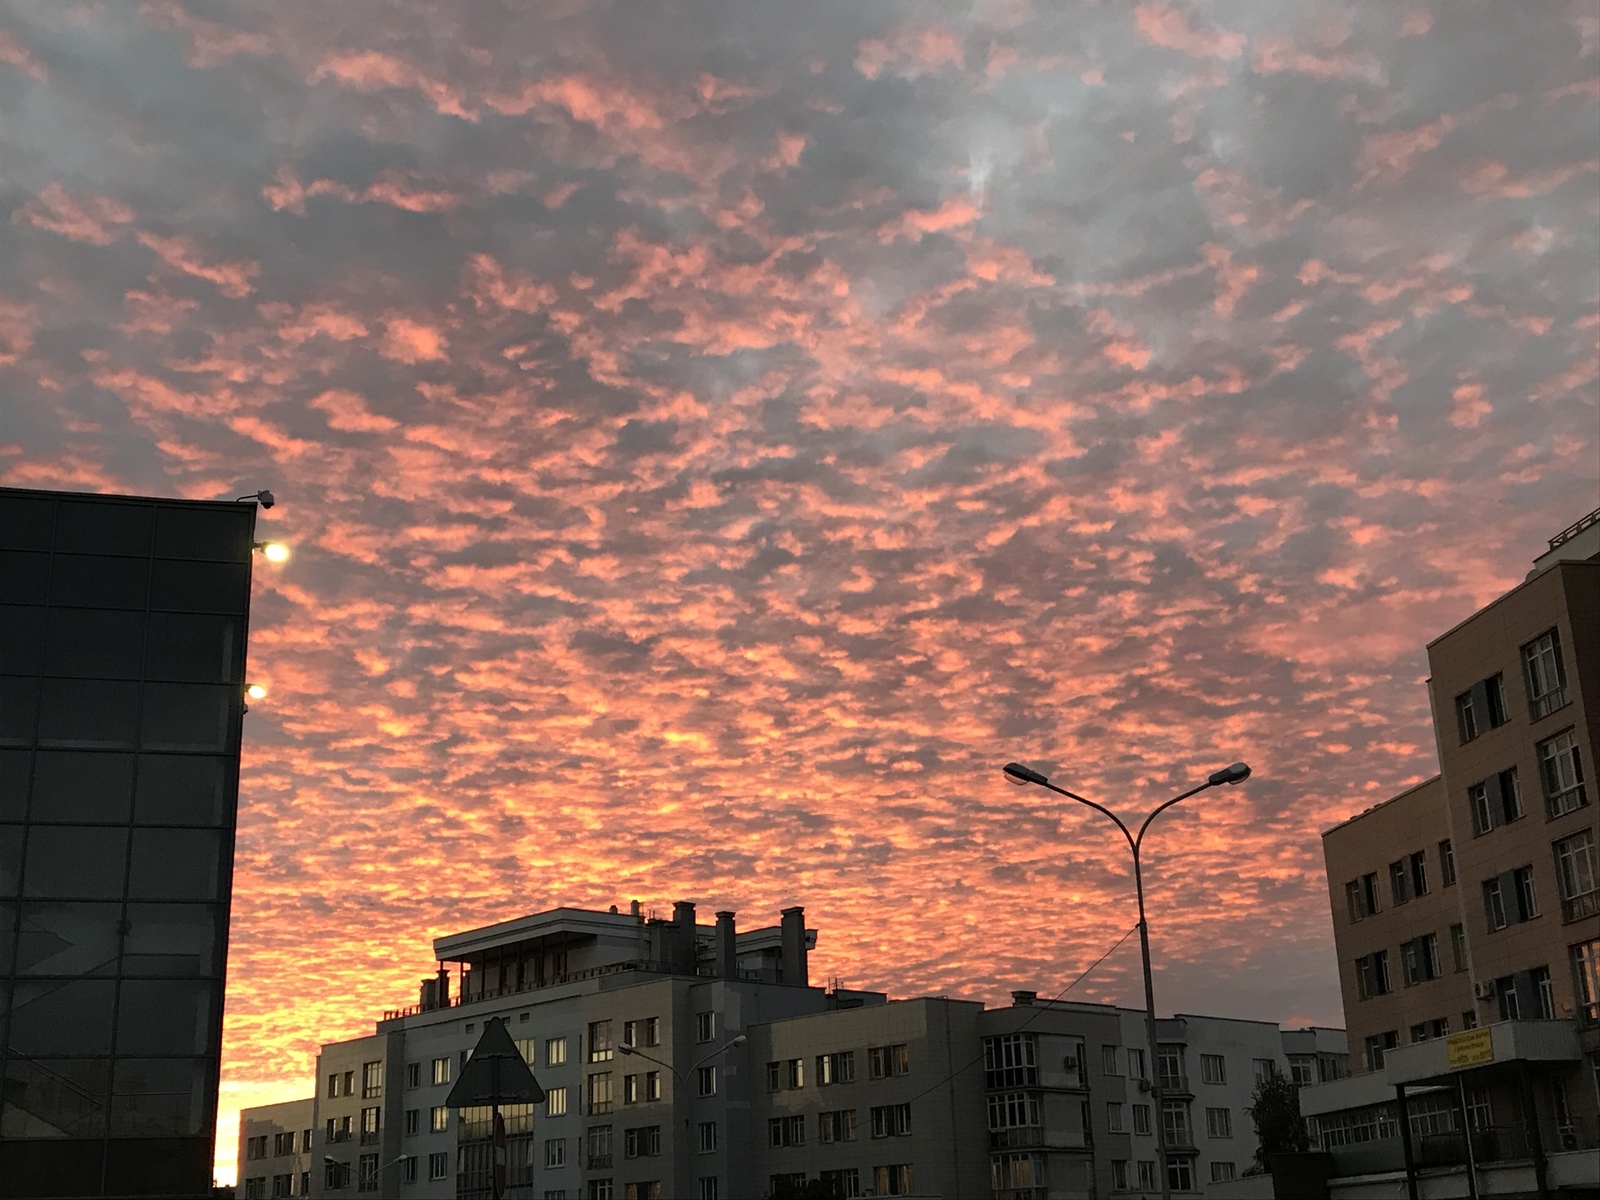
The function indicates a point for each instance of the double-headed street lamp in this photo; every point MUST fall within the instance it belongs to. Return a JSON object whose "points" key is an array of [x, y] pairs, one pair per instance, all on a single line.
{"points": [[1237, 773], [733, 1043]]}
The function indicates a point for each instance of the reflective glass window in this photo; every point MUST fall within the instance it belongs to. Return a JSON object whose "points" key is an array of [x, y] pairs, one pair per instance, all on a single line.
{"points": [[77, 862], [27, 522], [171, 939], [204, 533], [8, 931], [11, 858], [160, 1097], [199, 648], [96, 582], [200, 586], [188, 716], [164, 1016], [21, 639], [16, 767], [96, 643], [180, 790], [103, 528], [88, 713], [19, 709], [61, 1016], [82, 786], [176, 864], [69, 939], [55, 1098], [24, 577]]}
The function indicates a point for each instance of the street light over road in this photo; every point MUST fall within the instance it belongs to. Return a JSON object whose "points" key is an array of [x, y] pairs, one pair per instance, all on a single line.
{"points": [[1022, 775]]}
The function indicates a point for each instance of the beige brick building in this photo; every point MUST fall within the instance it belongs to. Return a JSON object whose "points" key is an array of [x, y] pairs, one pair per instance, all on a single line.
{"points": [[1467, 914]]}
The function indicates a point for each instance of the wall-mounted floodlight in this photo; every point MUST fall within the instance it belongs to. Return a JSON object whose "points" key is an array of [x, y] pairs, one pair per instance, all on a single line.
{"points": [[275, 552], [263, 498], [256, 692]]}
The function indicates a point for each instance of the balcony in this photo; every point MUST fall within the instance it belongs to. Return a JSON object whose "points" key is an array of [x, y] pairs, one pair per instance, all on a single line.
{"points": [[1169, 1084]]}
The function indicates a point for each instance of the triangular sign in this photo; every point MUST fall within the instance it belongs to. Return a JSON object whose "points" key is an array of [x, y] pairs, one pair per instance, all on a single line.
{"points": [[495, 1074]]}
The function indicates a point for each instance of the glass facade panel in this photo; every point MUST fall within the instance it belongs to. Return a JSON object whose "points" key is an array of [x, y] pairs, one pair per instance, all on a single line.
{"points": [[61, 1016], [80, 862], [188, 716], [164, 1016], [198, 648], [82, 787], [121, 662], [88, 713], [181, 790], [175, 864], [90, 581], [69, 939], [21, 639], [94, 643], [171, 939]]}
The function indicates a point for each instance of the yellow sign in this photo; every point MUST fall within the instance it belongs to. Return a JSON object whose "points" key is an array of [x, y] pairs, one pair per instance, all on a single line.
{"points": [[1470, 1048]]}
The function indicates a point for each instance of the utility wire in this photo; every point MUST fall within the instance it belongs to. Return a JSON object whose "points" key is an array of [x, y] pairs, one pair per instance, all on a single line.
{"points": [[1038, 1012]]}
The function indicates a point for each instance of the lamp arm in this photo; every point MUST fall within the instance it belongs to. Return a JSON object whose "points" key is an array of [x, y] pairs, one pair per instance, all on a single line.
{"points": [[1098, 808], [1136, 842]]}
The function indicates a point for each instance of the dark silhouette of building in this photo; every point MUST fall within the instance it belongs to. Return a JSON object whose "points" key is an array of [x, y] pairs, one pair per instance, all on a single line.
{"points": [[122, 657]]}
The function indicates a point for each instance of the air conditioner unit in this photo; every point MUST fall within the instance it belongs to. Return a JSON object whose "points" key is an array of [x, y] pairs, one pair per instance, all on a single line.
{"points": [[1483, 991]]}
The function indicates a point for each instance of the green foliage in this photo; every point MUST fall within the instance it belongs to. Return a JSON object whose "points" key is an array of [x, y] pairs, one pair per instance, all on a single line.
{"points": [[1275, 1108]]}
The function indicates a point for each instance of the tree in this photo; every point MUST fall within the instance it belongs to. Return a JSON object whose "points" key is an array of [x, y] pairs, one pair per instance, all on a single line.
{"points": [[1275, 1108]]}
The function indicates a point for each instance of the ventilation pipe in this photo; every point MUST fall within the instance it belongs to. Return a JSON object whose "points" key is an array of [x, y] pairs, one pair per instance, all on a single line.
{"points": [[793, 928], [727, 947], [683, 923]]}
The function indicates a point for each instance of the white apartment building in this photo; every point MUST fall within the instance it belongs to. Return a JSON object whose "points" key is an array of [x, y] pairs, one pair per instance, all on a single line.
{"points": [[689, 1062], [275, 1148]]}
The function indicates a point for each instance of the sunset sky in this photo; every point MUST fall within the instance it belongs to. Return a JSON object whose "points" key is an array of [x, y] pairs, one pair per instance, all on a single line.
{"points": [[716, 437]]}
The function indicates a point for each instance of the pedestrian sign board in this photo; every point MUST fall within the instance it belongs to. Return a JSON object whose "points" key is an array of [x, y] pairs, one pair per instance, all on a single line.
{"points": [[1469, 1048], [495, 1074]]}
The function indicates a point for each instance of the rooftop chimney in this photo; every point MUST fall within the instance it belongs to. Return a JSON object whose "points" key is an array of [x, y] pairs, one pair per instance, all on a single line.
{"points": [[633, 909], [793, 929], [683, 923], [1023, 999], [727, 947]]}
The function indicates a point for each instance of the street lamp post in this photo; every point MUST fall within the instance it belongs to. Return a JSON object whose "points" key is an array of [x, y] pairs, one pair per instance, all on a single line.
{"points": [[627, 1048], [1237, 773]]}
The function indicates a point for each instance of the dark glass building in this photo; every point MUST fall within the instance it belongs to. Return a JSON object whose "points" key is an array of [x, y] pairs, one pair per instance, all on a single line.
{"points": [[122, 655]]}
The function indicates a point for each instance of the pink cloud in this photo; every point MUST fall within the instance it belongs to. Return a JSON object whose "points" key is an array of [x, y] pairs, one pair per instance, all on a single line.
{"points": [[1162, 25], [90, 218], [232, 278], [411, 342], [348, 411], [912, 51]]}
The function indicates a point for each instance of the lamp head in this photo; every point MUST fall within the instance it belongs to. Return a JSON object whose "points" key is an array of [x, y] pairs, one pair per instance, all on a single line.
{"points": [[1237, 773], [624, 1047], [255, 691], [1021, 776], [275, 552], [738, 1041], [263, 498]]}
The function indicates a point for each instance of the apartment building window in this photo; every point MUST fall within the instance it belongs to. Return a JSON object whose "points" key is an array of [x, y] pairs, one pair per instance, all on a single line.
{"points": [[305, 1141], [600, 1045], [886, 1061], [413, 1075], [705, 1079], [844, 1182], [555, 1052], [372, 1081], [598, 1139], [705, 1027], [1019, 1171], [1527, 900], [1586, 980], [786, 1182], [1494, 903], [555, 1153], [1221, 1172], [1372, 974], [630, 1089], [1421, 958], [441, 1071], [282, 1143], [438, 1165], [601, 1189], [706, 1133], [836, 1068], [1114, 1116], [838, 1126], [1544, 992], [408, 1172], [599, 1094], [1169, 1067], [1505, 989], [643, 1142], [1561, 772], [255, 1188], [1469, 1019], [333, 1086], [1141, 1120], [1399, 882], [1429, 1030], [1180, 1174], [786, 1131], [1011, 1060], [349, 1083], [336, 1175], [794, 1073], [630, 1032], [891, 1120], [1362, 896], [1417, 868], [1447, 863], [1378, 1045], [1147, 1173], [1136, 1064], [1108, 1061], [340, 1129], [1119, 1175], [1495, 801], [438, 1118], [367, 1173], [652, 1085], [1545, 673], [1303, 1069], [1576, 876], [649, 1190], [708, 1187], [652, 1031], [774, 1076], [1458, 946], [896, 1180], [555, 1102], [369, 1126], [1219, 1122], [1466, 717], [1266, 1068]]}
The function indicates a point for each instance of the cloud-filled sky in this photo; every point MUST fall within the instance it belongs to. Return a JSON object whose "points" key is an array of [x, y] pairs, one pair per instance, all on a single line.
{"points": [[715, 437]]}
